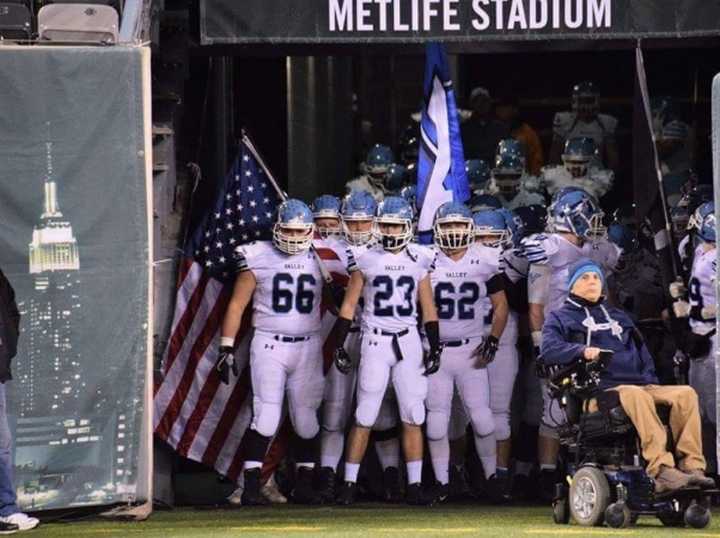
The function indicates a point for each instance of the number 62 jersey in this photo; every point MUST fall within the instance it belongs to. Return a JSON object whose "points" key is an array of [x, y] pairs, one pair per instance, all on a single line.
{"points": [[391, 285], [288, 292], [461, 289]]}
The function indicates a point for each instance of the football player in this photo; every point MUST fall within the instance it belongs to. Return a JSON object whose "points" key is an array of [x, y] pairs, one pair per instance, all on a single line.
{"points": [[376, 167], [701, 309], [326, 215], [478, 174], [494, 232], [577, 232], [392, 278], [578, 170], [284, 282], [357, 213], [585, 120], [511, 185], [463, 278]]}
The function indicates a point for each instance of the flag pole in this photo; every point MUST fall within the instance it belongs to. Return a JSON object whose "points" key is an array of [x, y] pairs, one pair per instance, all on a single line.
{"points": [[327, 277]]}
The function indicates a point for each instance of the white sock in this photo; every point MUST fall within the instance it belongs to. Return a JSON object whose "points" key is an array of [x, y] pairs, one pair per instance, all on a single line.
{"points": [[331, 449], [487, 452], [440, 456], [523, 468], [351, 471], [388, 453], [252, 465], [548, 466], [414, 471], [308, 464]]}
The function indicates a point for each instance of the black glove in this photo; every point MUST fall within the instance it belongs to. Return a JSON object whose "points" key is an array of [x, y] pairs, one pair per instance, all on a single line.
{"points": [[697, 346], [342, 360], [225, 363], [486, 351], [431, 360]]}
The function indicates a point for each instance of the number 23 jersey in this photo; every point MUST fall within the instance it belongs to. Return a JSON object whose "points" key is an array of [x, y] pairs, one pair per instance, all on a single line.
{"points": [[288, 291], [391, 285]]}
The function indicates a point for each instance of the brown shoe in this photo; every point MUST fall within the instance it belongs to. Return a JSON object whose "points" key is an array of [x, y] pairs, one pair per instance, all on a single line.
{"points": [[698, 478], [670, 479]]}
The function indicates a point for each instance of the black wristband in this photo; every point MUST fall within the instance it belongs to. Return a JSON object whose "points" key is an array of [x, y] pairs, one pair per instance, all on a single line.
{"points": [[432, 331], [341, 330], [493, 340]]}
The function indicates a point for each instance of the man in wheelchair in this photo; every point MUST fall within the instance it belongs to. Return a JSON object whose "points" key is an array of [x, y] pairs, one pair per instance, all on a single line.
{"points": [[586, 328]]}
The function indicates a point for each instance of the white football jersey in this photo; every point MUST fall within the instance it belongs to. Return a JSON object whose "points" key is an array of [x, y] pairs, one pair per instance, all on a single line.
{"points": [[514, 264], [528, 194], [494, 256], [391, 285], [460, 291], [288, 292], [560, 254], [597, 182], [702, 289], [566, 125]]}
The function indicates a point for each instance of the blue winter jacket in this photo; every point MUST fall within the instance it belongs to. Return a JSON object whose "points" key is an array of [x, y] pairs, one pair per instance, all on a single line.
{"points": [[565, 337]]}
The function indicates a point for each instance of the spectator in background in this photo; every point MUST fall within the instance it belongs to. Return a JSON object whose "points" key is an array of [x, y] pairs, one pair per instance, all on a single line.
{"points": [[507, 111], [11, 518], [482, 131]]}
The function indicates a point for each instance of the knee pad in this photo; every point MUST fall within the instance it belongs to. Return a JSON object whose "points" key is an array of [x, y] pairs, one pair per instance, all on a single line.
{"points": [[482, 421], [366, 414], [437, 425], [267, 418], [502, 426], [414, 414], [305, 422]]}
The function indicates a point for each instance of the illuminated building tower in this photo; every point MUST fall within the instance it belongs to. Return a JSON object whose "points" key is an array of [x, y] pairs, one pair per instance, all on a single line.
{"points": [[51, 375]]}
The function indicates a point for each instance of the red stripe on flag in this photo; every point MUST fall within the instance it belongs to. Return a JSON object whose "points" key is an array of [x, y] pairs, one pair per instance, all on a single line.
{"points": [[207, 395], [183, 327], [197, 352], [183, 271], [327, 254]]}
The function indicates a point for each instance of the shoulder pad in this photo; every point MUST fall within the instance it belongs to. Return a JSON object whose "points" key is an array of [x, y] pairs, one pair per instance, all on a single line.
{"points": [[538, 248]]}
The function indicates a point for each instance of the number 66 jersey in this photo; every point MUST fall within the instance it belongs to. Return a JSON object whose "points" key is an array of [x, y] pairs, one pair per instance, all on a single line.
{"points": [[288, 292], [391, 285]]}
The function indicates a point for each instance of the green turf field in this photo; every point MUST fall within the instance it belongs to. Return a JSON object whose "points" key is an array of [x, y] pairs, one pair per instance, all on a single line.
{"points": [[364, 520]]}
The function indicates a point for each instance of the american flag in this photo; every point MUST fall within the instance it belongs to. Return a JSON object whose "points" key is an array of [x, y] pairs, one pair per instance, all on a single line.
{"points": [[198, 416]]}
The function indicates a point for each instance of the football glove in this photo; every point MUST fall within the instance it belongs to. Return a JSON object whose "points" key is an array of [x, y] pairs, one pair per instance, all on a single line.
{"points": [[431, 360], [342, 359], [486, 351], [226, 363]]}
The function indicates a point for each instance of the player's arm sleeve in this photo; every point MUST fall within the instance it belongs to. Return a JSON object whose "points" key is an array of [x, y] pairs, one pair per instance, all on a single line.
{"points": [[245, 258], [555, 348], [495, 284], [352, 265]]}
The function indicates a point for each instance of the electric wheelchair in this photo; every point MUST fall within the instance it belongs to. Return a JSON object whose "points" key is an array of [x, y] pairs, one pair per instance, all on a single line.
{"points": [[604, 478]]}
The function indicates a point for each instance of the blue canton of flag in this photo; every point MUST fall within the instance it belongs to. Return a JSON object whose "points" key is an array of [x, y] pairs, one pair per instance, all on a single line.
{"points": [[441, 163], [244, 212]]}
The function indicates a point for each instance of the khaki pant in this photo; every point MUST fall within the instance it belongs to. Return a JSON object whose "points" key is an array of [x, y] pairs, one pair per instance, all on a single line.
{"points": [[639, 404]]}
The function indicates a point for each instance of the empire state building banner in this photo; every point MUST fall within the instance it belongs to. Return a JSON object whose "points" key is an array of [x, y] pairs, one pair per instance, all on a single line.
{"points": [[74, 243]]}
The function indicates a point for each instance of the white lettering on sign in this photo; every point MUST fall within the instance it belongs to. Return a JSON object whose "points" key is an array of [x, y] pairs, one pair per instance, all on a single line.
{"points": [[484, 22], [438, 16], [450, 11], [341, 19]]}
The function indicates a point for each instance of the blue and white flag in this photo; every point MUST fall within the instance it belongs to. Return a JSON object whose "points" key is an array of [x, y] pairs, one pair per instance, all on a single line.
{"points": [[441, 163]]}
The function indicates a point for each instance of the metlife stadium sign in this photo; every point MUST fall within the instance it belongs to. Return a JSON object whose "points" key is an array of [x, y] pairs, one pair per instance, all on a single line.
{"points": [[393, 21]]}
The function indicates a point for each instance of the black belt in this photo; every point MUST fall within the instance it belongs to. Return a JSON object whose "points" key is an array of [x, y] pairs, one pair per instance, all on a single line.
{"points": [[290, 339], [456, 343], [395, 342], [354, 330]]}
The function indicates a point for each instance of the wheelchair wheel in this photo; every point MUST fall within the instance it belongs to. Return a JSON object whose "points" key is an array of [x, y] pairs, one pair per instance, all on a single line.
{"points": [[618, 515], [589, 496], [696, 516]]}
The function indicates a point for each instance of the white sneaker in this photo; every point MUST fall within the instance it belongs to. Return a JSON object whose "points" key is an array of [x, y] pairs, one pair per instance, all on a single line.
{"points": [[23, 521], [272, 493], [235, 497]]}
